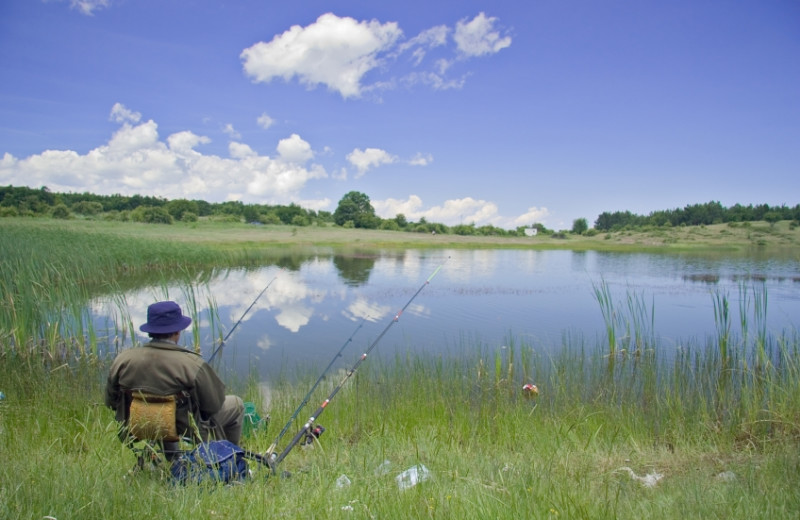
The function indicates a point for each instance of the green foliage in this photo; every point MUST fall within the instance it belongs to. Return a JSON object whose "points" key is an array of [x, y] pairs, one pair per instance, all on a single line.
{"points": [[695, 215], [288, 213], [464, 229], [772, 217], [61, 211], [251, 214], [579, 226], [356, 207], [300, 221], [151, 215], [89, 208], [270, 218], [176, 208], [188, 216], [230, 207], [389, 225]]}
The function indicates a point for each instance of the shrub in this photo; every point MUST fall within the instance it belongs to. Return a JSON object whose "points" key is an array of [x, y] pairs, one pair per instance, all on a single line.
{"points": [[390, 225], [87, 208], [300, 220], [151, 215], [579, 226], [270, 218], [7, 211], [61, 211]]}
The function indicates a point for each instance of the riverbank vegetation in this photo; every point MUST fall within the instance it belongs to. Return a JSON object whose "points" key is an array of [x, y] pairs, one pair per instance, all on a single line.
{"points": [[649, 438], [355, 210], [619, 429]]}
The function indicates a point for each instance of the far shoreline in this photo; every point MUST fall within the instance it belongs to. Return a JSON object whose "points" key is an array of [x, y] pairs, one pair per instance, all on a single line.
{"points": [[761, 238]]}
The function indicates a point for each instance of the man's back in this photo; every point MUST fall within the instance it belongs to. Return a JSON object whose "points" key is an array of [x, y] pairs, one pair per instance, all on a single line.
{"points": [[162, 367]]}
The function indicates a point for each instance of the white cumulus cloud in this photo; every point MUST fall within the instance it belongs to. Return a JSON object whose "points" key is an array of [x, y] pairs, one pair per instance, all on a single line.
{"points": [[532, 216], [332, 51], [453, 212], [421, 159], [339, 52], [137, 160], [363, 160], [231, 131], [478, 36], [120, 114], [295, 150], [264, 121]]}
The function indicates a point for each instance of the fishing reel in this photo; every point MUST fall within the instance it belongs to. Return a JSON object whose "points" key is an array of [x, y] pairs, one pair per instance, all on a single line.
{"points": [[313, 433]]}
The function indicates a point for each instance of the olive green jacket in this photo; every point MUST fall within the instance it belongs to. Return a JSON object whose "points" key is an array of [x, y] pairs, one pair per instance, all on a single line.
{"points": [[164, 368]]}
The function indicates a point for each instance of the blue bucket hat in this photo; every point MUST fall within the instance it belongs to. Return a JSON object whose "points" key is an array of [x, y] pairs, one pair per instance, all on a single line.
{"points": [[165, 318]]}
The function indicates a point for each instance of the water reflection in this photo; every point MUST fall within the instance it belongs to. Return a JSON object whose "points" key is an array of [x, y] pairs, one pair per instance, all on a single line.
{"points": [[480, 297], [354, 271]]}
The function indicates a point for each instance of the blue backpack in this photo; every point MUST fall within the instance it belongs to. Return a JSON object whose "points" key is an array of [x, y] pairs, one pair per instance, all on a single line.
{"points": [[214, 461]]}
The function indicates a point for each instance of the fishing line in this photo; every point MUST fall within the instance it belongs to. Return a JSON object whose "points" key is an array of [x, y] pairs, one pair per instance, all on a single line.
{"points": [[307, 431], [314, 387], [228, 335]]}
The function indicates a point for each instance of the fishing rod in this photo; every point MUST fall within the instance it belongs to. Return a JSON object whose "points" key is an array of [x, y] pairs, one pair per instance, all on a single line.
{"points": [[314, 387], [228, 335], [307, 431]]}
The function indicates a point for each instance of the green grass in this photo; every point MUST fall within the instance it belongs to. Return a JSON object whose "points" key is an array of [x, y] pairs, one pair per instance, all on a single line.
{"points": [[492, 452], [718, 419]]}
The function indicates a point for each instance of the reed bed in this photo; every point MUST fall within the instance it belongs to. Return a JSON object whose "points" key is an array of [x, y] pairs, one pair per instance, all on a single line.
{"points": [[50, 272]]}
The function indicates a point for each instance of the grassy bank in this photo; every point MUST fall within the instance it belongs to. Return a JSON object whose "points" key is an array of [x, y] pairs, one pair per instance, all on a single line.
{"points": [[646, 441], [747, 237]]}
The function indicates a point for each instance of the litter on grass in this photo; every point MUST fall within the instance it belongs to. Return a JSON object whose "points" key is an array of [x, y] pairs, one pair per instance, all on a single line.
{"points": [[530, 390], [726, 476], [342, 481], [384, 468], [412, 476], [649, 480]]}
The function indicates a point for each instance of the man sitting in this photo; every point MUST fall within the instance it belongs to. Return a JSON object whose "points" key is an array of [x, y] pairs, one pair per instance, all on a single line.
{"points": [[162, 367]]}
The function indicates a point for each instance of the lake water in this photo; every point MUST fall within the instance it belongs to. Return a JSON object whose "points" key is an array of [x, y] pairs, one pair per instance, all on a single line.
{"points": [[315, 303]]}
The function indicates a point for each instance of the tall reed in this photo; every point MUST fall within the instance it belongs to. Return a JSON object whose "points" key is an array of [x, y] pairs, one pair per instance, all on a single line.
{"points": [[722, 321], [49, 272], [602, 294]]}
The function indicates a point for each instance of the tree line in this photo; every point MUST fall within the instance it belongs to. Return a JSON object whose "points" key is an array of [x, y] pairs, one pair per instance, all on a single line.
{"points": [[697, 215], [354, 210], [24, 201]]}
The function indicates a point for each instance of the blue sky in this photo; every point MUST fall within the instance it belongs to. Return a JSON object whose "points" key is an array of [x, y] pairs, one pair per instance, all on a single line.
{"points": [[504, 112]]}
